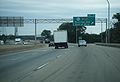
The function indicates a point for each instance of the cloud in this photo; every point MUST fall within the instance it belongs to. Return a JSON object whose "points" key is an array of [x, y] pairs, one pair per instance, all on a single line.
{"points": [[54, 8], [57, 8]]}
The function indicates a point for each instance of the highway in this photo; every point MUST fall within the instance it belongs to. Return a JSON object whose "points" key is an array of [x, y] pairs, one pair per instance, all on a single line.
{"points": [[76, 64]]}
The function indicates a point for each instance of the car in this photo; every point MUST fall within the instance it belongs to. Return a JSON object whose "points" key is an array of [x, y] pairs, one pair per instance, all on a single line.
{"points": [[47, 41], [25, 43], [1, 42], [18, 41], [51, 45], [82, 43]]}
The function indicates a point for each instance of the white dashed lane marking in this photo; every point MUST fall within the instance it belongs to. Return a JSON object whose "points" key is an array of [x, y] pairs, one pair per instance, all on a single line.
{"points": [[59, 56], [40, 67]]}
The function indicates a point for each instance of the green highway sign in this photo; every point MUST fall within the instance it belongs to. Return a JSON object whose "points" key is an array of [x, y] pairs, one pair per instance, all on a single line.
{"points": [[84, 21], [91, 18], [90, 15]]}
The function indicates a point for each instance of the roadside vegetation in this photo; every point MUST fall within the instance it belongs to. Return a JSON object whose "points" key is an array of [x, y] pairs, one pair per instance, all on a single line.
{"points": [[114, 31]]}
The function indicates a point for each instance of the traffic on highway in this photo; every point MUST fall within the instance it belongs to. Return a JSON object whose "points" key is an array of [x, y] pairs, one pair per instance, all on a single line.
{"points": [[59, 40], [75, 64]]}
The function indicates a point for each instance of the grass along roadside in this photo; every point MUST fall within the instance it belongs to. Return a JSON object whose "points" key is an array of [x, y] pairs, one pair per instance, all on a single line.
{"points": [[4, 49]]}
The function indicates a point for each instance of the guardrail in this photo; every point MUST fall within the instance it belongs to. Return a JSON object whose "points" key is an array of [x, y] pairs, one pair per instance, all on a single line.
{"points": [[109, 44]]}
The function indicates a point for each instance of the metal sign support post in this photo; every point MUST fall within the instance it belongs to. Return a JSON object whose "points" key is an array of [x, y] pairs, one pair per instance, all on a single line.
{"points": [[101, 32], [16, 32], [106, 32], [35, 31], [76, 34]]}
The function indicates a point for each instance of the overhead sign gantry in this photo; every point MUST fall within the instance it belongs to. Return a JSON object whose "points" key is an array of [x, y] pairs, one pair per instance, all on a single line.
{"points": [[11, 21]]}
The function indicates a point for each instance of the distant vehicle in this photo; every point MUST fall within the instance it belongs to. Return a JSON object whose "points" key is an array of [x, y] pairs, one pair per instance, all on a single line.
{"points": [[51, 45], [60, 39], [1, 42], [18, 41], [47, 41], [82, 43], [25, 43]]}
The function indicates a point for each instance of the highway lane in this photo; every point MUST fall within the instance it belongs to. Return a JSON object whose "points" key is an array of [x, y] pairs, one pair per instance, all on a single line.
{"points": [[17, 65], [75, 64]]}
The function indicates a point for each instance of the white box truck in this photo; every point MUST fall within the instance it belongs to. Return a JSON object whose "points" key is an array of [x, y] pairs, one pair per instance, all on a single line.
{"points": [[60, 39]]}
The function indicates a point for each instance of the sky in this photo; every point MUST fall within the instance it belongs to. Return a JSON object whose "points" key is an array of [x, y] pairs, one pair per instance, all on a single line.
{"points": [[47, 9]]}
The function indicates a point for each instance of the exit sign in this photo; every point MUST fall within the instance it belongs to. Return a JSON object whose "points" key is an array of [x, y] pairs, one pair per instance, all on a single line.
{"points": [[84, 21]]}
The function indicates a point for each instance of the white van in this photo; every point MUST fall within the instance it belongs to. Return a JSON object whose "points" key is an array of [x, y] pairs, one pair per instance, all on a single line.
{"points": [[18, 41], [82, 43]]}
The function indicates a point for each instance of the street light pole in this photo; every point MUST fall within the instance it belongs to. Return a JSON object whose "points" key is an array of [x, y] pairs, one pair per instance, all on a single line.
{"points": [[108, 21]]}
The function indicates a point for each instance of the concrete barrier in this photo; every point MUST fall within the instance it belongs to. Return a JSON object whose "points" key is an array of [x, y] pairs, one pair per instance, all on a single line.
{"points": [[109, 44]]}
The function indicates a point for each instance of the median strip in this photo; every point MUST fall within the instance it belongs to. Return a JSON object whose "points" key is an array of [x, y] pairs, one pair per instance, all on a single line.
{"points": [[4, 49]]}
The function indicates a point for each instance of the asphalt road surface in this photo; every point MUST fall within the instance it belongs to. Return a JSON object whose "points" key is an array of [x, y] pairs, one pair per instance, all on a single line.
{"points": [[75, 64]]}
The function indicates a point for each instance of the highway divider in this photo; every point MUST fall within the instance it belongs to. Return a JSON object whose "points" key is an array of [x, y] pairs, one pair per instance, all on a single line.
{"points": [[109, 44]]}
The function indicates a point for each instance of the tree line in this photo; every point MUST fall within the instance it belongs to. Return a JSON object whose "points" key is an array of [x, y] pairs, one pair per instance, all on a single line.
{"points": [[114, 30]]}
